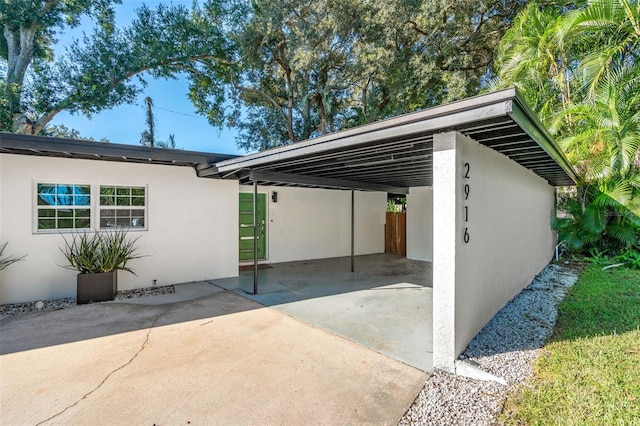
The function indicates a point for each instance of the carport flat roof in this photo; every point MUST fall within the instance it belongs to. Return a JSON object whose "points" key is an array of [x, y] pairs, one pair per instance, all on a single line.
{"points": [[395, 154]]}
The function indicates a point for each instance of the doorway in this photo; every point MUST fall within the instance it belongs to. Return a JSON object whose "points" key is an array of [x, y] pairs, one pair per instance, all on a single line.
{"points": [[246, 226]]}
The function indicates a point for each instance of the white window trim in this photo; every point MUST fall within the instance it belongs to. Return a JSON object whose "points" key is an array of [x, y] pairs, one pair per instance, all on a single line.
{"points": [[94, 206], [34, 207], [127, 185]]}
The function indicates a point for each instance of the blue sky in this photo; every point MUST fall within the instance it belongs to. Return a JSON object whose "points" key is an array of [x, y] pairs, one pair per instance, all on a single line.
{"points": [[173, 111]]}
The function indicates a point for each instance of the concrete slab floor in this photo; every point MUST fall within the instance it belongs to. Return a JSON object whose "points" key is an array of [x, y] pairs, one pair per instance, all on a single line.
{"points": [[219, 359], [385, 305]]}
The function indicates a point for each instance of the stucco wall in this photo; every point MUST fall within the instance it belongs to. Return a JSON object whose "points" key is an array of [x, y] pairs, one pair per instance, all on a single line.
{"points": [[507, 219], [420, 224], [192, 225], [309, 223]]}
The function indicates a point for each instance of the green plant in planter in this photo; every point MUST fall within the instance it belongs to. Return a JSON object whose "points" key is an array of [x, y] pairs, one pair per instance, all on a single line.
{"points": [[102, 251], [97, 257]]}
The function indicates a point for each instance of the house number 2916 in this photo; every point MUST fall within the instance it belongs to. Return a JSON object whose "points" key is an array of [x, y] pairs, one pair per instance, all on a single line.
{"points": [[467, 191]]}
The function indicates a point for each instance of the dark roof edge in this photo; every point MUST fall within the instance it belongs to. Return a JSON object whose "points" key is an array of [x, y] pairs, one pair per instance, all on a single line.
{"points": [[13, 143], [528, 120], [434, 112]]}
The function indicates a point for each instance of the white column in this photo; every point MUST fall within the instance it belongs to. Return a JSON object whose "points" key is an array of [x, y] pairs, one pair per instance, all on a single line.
{"points": [[446, 242]]}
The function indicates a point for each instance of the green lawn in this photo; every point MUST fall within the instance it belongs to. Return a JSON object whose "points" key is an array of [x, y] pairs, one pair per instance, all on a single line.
{"points": [[589, 373]]}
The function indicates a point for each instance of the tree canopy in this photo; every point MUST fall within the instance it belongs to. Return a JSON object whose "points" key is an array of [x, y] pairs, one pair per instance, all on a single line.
{"points": [[106, 67], [279, 71], [307, 68]]}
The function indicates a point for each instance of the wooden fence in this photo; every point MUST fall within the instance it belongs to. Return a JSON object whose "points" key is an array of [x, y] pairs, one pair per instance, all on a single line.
{"points": [[395, 233]]}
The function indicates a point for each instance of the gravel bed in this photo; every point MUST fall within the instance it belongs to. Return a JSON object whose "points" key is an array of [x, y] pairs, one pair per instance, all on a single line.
{"points": [[505, 347], [52, 305]]}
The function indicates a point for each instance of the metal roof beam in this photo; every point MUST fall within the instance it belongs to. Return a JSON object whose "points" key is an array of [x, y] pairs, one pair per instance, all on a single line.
{"points": [[266, 176]]}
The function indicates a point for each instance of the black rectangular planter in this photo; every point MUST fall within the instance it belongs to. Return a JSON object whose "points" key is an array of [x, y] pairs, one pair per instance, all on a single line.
{"points": [[98, 287]]}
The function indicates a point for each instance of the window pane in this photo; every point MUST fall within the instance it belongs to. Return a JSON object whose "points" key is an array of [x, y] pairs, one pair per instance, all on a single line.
{"points": [[123, 221], [84, 213], [46, 224], [123, 201], [139, 191], [81, 200], [137, 201], [65, 213], [107, 200], [83, 223], [123, 191], [107, 218], [65, 223], [46, 213], [107, 190], [64, 195], [82, 190], [107, 222], [46, 195], [137, 222]]}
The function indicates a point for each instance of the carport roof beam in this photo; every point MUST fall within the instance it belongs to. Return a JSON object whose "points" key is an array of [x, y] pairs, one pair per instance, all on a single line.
{"points": [[288, 178], [500, 120]]}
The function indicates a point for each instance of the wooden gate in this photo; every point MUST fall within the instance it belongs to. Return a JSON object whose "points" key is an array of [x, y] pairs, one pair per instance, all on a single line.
{"points": [[395, 233]]}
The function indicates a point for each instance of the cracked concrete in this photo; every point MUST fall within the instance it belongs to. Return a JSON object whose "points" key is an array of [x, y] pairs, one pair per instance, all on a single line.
{"points": [[221, 359], [144, 344]]}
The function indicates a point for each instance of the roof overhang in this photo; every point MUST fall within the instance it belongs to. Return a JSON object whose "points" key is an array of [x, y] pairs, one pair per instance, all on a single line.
{"points": [[70, 148], [397, 153]]}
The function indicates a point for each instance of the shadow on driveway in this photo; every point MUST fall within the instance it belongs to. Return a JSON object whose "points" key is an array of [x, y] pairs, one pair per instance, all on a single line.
{"points": [[41, 329]]}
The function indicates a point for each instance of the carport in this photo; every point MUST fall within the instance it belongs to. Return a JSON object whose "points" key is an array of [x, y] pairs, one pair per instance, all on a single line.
{"points": [[481, 170]]}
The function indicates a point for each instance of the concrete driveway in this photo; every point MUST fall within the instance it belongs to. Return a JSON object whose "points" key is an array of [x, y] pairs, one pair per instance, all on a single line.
{"points": [[219, 359], [386, 305]]}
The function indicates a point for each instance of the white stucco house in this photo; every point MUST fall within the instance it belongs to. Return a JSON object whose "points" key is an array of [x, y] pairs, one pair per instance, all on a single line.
{"points": [[479, 174]]}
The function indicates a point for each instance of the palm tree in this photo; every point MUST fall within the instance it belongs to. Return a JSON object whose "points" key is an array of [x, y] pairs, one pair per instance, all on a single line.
{"points": [[581, 72], [530, 59], [612, 29]]}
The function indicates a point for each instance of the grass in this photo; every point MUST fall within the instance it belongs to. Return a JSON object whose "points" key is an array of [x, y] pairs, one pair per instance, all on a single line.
{"points": [[589, 372]]}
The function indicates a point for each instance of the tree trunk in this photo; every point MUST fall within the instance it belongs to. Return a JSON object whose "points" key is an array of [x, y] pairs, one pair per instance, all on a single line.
{"points": [[20, 45]]}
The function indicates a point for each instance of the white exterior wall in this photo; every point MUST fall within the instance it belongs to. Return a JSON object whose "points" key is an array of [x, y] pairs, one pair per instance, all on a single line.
{"points": [[309, 223], [510, 238], [192, 225], [420, 223]]}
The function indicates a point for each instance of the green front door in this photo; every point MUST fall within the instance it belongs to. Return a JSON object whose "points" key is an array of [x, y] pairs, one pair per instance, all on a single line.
{"points": [[246, 226]]}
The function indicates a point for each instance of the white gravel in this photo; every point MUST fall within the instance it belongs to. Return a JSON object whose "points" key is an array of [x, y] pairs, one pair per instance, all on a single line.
{"points": [[505, 347], [52, 305]]}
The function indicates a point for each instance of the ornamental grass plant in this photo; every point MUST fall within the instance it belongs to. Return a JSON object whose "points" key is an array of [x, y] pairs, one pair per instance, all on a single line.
{"points": [[100, 251]]}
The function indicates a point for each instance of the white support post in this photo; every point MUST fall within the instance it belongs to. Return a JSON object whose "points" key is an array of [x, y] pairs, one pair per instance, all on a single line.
{"points": [[446, 182]]}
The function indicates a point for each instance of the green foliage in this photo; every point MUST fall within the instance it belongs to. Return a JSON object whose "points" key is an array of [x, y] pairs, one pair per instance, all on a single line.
{"points": [[630, 257], [597, 222], [97, 72], [578, 67], [6, 261], [304, 69], [278, 71], [397, 205], [100, 251], [589, 373]]}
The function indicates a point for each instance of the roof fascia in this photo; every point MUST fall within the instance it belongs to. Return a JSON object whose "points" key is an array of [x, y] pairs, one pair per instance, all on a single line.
{"points": [[39, 145], [529, 122]]}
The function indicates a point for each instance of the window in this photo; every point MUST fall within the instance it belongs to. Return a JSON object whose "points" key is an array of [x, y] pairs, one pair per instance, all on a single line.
{"points": [[122, 206], [63, 206]]}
